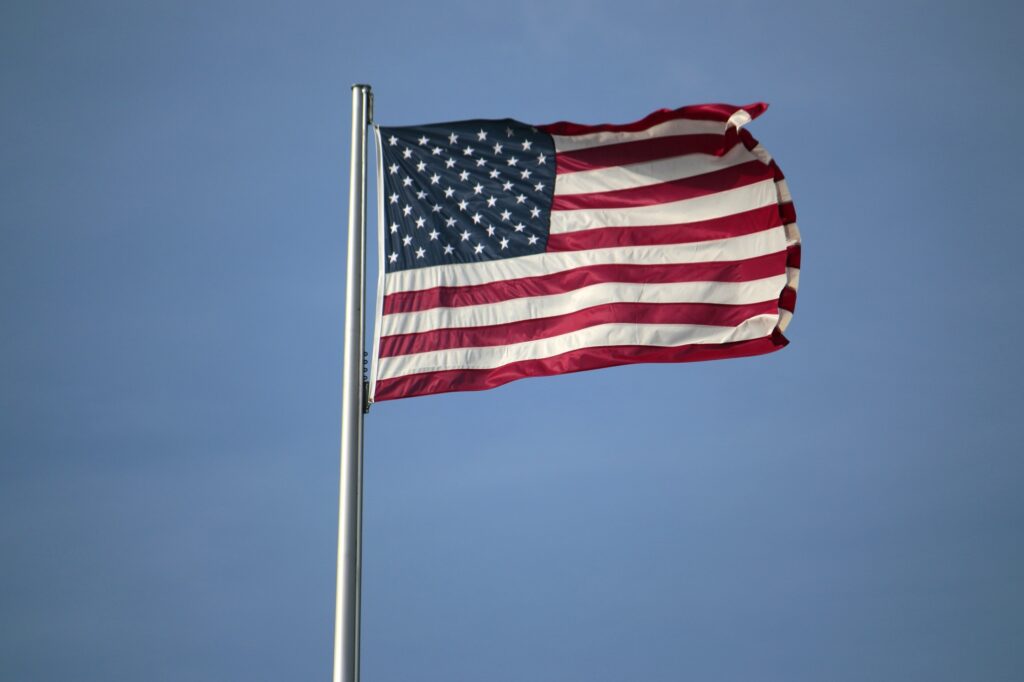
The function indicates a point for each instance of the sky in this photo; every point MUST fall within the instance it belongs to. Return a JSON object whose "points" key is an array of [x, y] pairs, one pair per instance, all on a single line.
{"points": [[173, 187]]}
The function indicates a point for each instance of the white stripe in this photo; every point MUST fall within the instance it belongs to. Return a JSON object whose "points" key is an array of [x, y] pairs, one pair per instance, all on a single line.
{"points": [[469, 274], [739, 119], [785, 317], [613, 334], [649, 172], [552, 305], [793, 278], [706, 207], [783, 189], [792, 234], [762, 154], [679, 126]]}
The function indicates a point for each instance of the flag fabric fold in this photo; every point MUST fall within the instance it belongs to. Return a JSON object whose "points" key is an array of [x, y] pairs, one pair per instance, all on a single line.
{"points": [[509, 250]]}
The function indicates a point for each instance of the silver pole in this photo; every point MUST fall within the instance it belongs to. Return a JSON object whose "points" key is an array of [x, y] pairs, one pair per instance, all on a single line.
{"points": [[350, 503]]}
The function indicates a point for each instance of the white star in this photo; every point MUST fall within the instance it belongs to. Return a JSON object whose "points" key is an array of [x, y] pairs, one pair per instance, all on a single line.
{"points": [[423, 140], [465, 235], [421, 195], [481, 162], [508, 186], [392, 140], [407, 210], [490, 230], [450, 222], [508, 132], [393, 198], [526, 145], [513, 161], [482, 135], [434, 234], [406, 182], [434, 179], [420, 252], [453, 138], [519, 227], [478, 249], [521, 198], [534, 212], [494, 174], [538, 187], [498, 148], [421, 166], [406, 153], [421, 221], [504, 243], [448, 193], [468, 151], [450, 163], [478, 188], [448, 249], [463, 205], [477, 218], [393, 168], [506, 215], [436, 150], [394, 227], [436, 208], [464, 175], [533, 239], [541, 160], [392, 257], [406, 240], [491, 201], [525, 174]]}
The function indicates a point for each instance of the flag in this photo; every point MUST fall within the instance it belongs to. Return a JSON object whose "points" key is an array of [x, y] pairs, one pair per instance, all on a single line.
{"points": [[509, 250]]}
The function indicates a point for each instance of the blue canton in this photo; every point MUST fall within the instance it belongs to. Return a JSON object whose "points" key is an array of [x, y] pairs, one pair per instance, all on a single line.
{"points": [[465, 192]]}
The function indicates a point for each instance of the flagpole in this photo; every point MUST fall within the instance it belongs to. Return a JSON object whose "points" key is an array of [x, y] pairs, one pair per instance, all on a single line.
{"points": [[350, 503]]}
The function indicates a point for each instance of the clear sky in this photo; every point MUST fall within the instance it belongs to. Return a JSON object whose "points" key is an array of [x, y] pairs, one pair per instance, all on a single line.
{"points": [[173, 180]]}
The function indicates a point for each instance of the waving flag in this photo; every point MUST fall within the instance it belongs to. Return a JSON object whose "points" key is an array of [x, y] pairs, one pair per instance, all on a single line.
{"points": [[510, 250]]}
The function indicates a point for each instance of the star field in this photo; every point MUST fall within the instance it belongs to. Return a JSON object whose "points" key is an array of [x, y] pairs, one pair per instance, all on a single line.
{"points": [[465, 191]]}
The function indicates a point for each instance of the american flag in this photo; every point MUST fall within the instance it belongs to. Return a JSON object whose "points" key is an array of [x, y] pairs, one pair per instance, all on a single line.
{"points": [[510, 250]]}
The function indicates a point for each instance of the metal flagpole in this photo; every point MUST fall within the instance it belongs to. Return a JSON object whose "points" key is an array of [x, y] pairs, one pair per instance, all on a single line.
{"points": [[350, 503]]}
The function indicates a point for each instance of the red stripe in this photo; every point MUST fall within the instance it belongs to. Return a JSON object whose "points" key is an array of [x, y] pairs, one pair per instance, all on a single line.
{"points": [[639, 151], [787, 299], [672, 190], [793, 259], [568, 280], [736, 225], [787, 212], [718, 315], [572, 361], [699, 112]]}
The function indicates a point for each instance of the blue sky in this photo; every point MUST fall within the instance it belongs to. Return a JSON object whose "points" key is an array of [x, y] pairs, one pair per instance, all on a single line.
{"points": [[172, 213]]}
